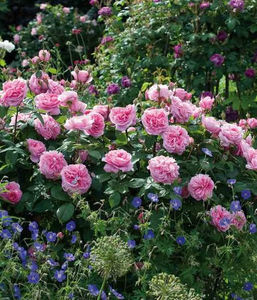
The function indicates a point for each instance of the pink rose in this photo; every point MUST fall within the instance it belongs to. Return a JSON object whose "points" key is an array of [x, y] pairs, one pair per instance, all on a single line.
{"points": [[230, 134], [22, 117], [75, 179], [242, 123], [43, 6], [200, 187], [238, 219], [50, 129], [83, 19], [181, 111], [48, 102], [102, 110], [82, 155], [35, 60], [175, 139], [68, 99], [158, 92], [55, 87], [211, 125], [206, 103], [244, 145], [97, 127], [16, 38], [14, 92], [34, 31], [79, 123], [252, 122], [82, 76], [25, 63], [78, 107], [182, 94], [221, 218], [39, 19], [250, 155], [123, 117], [155, 120], [66, 10], [44, 55], [36, 148], [163, 169], [39, 85], [12, 192], [117, 160], [51, 164]]}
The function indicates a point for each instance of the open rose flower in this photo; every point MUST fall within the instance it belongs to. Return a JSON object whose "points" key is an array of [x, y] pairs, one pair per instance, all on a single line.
{"points": [[206, 103], [250, 155], [97, 127], [75, 179], [55, 87], [201, 187], [39, 84], [82, 76], [230, 134], [48, 102], [221, 218], [182, 94], [50, 129], [123, 117], [163, 169], [211, 125], [68, 99], [252, 122], [175, 139], [51, 163], [238, 219], [44, 55], [159, 92], [102, 110], [36, 148], [155, 120], [14, 92], [118, 160], [181, 111], [79, 123], [12, 192]]}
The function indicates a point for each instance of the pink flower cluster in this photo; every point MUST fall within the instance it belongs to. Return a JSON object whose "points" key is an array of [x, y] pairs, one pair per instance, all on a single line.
{"points": [[11, 193]]}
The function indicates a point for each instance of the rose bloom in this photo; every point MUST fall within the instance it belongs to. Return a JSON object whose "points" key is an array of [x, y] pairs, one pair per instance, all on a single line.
{"points": [[82, 155], [13, 192], [83, 19], [237, 5], [33, 31], [78, 107], [178, 51], [250, 155], [206, 103], [217, 59], [159, 92], [35, 60], [39, 19], [14, 92], [79, 123], [242, 123], [252, 122], [97, 127], [36, 148], [44, 55], [102, 110], [163, 169], [50, 129], [68, 98], [155, 120], [105, 11], [48, 102], [230, 134], [82, 76], [117, 160], [200, 187], [39, 85], [219, 213], [244, 145], [182, 94], [55, 87], [175, 139], [51, 163], [22, 117], [211, 125], [181, 111], [250, 73], [238, 219], [25, 63], [123, 117], [75, 179], [16, 38]]}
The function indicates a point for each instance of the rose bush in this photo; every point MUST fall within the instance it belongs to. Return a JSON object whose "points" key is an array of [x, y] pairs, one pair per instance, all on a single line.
{"points": [[173, 188]]}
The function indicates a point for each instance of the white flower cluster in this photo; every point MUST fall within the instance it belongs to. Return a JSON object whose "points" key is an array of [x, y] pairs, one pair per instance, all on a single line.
{"points": [[6, 45]]}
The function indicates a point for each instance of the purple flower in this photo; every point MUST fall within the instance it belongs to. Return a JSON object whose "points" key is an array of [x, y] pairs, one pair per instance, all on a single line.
{"points": [[136, 202], [86, 255], [73, 239], [34, 235], [250, 73], [115, 293], [149, 235], [6, 234], [16, 291], [33, 277], [231, 114], [125, 82], [71, 296], [39, 247], [52, 262], [92, 90], [252, 228], [22, 254], [136, 227], [93, 289], [205, 5], [235, 206], [5, 218], [237, 5], [131, 244], [51, 236], [217, 59], [60, 275], [93, 2], [222, 36], [34, 266], [246, 194], [231, 181], [69, 256], [64, 266], [224, 222], [207, 152], [17, 227], [105, 11], [70, 226], [153, 197], [248, 286], [207, 94], [106, 39], [178, 51], [177, 190], [33, 226], [181, 240], [176, 204], [113, 89]]}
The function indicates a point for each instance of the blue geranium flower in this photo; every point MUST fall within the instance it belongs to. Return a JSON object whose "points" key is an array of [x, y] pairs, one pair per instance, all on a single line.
{"points": [[33, 277], [149, 234], [131, 244], [153, 197], [60, 275], [175, 203], [181, 240], [70, 226], [246, 194], [136, 202]]}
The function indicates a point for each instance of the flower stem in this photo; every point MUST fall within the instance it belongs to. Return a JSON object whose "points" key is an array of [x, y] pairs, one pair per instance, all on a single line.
{"points": [[15, 123], [102, 288]]}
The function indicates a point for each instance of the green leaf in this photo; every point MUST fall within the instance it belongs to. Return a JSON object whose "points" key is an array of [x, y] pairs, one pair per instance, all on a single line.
{"points": [[11, 157], [121, 138], [136, 183], [95, 154], [114, 199], [58, 193], [2, 63], [52, 70], [39, 74], [65, 212]]}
